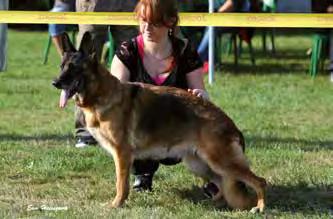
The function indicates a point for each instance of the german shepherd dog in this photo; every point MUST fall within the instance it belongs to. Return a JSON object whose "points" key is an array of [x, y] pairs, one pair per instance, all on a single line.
{"points": [[133, 120]]}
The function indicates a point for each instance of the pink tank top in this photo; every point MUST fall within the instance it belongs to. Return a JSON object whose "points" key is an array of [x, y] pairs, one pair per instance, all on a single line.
{"points": [[158, 79]]}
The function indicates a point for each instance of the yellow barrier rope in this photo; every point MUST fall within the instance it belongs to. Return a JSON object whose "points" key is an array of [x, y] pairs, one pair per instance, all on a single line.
{"points": [[186, 19]]}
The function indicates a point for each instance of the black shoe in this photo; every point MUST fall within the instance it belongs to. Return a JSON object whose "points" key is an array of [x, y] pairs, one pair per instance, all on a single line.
{"points": [[143, 183], [210, 189], [170, 161], [84, 141]]}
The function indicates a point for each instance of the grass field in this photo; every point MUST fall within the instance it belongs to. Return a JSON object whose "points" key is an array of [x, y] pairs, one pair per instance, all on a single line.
{"points": [[286, 117]]}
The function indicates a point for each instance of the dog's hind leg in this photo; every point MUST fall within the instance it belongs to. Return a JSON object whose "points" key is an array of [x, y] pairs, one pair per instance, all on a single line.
{"points": [[201, 169], [229, 162], [123, 161], [244, 174]]}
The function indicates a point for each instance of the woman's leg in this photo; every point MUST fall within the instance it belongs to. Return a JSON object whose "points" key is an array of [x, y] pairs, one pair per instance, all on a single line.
{"points": [[82, 136], [203, 46], [331, 50], [3, 38], [56, 30], [143, 171], [330, 68]]}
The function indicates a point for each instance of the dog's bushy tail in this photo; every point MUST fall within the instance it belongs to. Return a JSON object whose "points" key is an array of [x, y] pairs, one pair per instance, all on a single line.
{"points": [[236, 194]]}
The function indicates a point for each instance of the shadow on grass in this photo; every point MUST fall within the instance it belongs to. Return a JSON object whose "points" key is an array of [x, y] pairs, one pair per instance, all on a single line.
{"points": [[45, 137], [258, 141], [295, 199], [284, 61], [196, 195], [306, 145], [300, 198], [280, 56], [263, 68]]}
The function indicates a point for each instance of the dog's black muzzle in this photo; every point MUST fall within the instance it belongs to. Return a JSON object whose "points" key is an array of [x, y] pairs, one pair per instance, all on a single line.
{"points": [[72, 88], [56, 83]]}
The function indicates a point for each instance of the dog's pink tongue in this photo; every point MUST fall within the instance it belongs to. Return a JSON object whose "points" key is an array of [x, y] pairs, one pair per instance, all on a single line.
{"points": [[63, 99]]}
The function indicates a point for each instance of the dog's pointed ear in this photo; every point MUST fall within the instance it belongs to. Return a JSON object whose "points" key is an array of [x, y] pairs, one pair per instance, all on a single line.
{"points": [[67, 44], [87, 45]]}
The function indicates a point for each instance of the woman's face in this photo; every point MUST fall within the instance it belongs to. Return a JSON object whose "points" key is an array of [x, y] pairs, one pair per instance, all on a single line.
{"points": [[152, 32]]}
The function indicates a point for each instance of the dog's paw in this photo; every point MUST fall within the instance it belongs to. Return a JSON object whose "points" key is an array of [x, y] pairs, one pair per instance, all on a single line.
{"points": [[257, 209], [116, 203], [254, 210]]}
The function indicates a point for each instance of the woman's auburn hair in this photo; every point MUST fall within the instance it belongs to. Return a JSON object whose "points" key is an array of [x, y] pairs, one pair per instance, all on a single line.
{"points": [[159, 12]]}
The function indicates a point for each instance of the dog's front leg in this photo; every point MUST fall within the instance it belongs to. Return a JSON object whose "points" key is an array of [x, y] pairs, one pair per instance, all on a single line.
{"points": [[123, 161]]}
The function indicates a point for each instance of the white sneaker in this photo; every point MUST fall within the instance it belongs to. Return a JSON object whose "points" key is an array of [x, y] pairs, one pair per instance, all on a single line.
{"points": [[81, 143], [331, 76], [85, 141]]}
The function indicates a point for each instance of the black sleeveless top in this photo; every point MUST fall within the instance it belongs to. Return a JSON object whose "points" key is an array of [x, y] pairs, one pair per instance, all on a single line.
{"points": [[186, 60]]}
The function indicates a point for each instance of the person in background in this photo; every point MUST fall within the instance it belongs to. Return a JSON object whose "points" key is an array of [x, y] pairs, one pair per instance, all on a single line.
{"points": [[99, 34], [325, 6], [56, 30], [3, 39], [330, 68], [158, 57], [221, 6]]}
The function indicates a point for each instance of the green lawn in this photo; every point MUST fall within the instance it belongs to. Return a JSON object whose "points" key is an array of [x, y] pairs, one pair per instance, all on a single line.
{"points": [[286, 117]]}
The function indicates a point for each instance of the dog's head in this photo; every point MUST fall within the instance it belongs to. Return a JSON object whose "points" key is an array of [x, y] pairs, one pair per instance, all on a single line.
{"points": [[75, 67]]}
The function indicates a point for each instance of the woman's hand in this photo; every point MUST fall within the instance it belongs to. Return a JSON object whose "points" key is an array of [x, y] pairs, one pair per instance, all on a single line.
{"points": [[199, 93]]}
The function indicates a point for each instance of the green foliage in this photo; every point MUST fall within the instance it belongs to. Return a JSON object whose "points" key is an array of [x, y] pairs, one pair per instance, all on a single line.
{"points": [[285, 116]]}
